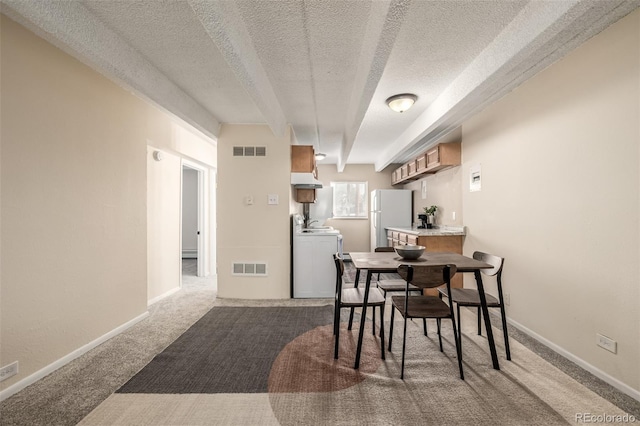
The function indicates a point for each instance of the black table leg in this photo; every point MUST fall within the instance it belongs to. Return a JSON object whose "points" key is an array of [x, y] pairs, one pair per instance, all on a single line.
{"points": [[362, 319], [487, 320], [355, 285]]}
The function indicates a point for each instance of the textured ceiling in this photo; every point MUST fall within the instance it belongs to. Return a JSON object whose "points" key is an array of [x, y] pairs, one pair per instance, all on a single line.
{"points": [[325, 67]]}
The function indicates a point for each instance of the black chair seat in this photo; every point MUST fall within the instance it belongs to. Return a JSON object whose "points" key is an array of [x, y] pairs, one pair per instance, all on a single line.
{"points": [[469, 297], [422, 307], [355, 297]]}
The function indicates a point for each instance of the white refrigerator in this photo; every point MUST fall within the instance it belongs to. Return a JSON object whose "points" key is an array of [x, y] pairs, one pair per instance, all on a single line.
{"points": [[389, 208]]}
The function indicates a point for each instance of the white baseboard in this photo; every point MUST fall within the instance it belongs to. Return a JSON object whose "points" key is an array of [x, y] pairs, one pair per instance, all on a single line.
{"points": [[622, 387], [16, 387], [162, 296]]}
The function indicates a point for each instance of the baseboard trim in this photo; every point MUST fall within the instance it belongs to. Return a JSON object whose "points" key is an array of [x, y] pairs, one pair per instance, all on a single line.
{"points": [[622, 387], [18, 386], [162, 296]]}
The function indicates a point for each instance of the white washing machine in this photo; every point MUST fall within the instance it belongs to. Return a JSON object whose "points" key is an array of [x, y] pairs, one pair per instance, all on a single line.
{"points": [[314, 271]]}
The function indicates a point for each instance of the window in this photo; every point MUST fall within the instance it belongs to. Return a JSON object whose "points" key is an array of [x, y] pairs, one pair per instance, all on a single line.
{"points": [[350, 200]]}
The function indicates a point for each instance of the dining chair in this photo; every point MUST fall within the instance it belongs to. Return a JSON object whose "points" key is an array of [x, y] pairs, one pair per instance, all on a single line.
{"points": [[354, 298], [423, 276], [392, 285], [469, 297]]}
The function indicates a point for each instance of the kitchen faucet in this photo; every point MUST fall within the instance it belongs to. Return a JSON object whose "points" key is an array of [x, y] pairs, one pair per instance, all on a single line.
{"points": [[310, 222]]}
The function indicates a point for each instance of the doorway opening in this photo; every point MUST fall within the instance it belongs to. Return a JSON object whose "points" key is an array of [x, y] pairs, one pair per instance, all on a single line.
{"points": [[192, 221]]}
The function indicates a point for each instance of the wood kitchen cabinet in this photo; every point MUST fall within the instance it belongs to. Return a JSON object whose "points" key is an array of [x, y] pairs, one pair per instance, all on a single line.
{"points": [[438, 158], [443, 156], [303, 159], [432, 243]]}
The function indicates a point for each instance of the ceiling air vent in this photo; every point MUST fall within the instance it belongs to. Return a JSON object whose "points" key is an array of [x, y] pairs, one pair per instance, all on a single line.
{"points": [[249, 151], [251, 269]]}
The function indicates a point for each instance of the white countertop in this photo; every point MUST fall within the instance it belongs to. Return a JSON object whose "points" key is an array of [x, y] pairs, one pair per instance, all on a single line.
{"points": [[437, 231]]}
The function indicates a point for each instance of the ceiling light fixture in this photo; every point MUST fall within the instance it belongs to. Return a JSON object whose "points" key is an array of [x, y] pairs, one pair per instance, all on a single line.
{"points": [[320, 156], [401, 103]]}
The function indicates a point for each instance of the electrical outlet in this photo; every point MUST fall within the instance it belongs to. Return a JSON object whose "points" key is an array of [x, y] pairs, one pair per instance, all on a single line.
{"points": [[607, 343], [8, 371], [507, 299]]}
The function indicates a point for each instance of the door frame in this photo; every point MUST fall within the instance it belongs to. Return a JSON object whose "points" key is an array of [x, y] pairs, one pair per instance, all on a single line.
{"points": [[203, 213]]}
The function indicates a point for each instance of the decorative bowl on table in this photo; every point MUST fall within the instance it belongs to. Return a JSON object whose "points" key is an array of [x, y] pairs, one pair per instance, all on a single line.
{"points": [[409, 252]]}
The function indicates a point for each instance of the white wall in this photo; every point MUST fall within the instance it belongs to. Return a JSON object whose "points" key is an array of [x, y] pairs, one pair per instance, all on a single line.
{"points": [[178, 144], [444, 189], [257, 232], [163, 224], [73, 204], [560, 201], [80, 195]]}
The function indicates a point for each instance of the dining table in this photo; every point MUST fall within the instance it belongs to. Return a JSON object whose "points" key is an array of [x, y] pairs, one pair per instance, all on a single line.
{"points": [[385, 262]]}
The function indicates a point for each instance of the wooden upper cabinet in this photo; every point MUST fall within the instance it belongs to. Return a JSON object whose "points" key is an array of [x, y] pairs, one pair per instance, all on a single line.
{"points": [[303, 159], [443, 156], [438, 158], [433, 157], [421, 163], [412, 169]]}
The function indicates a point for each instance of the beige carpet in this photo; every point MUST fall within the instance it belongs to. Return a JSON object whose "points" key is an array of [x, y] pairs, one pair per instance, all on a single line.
{"points": [[307, 387], [84, 388]]}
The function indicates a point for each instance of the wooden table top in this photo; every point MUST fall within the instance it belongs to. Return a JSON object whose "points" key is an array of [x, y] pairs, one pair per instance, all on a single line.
{"points": [[387, 261]]}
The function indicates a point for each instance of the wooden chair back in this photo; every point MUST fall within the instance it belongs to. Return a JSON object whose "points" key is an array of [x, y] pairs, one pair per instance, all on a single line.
{"points": [[423, 276], [491, 259]]}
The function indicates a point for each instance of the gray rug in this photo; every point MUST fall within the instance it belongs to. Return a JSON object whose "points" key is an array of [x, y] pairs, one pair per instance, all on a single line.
{"points": [[229, 350]]}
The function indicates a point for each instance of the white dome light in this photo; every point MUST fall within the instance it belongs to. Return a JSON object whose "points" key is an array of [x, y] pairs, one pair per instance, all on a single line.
{"points": [[401, 103]]}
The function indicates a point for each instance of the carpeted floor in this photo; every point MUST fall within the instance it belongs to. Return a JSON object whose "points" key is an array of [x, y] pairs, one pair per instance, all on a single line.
{"points": [[304, 384]]}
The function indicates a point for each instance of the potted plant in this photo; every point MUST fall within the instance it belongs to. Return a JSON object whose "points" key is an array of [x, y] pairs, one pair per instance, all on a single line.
{"points": [[431, 213]]}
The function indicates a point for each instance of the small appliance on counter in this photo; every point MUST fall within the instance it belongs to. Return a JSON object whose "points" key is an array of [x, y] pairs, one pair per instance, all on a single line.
{"points": [[423, 219]]}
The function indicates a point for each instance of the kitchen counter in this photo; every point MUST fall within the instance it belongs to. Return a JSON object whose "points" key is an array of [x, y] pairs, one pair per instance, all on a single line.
{"points": [[438, 239], [439, 231]]}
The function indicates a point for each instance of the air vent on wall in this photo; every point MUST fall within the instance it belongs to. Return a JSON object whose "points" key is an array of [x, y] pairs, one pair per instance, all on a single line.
{"points": [[254, 269], [249, 151]]}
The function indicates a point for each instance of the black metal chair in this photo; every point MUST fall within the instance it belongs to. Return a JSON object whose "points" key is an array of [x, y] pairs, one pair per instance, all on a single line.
{"points": [[396, 285], [425, 306], [469, 297], [354, 298]]}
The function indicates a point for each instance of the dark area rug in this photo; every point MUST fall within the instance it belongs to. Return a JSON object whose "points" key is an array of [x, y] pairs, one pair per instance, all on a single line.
{"points": [[229, 350]]}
